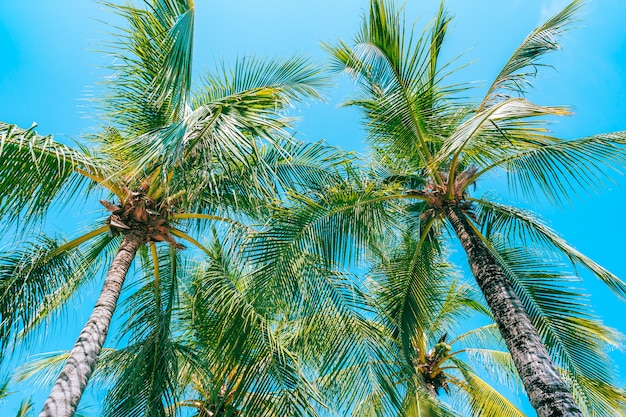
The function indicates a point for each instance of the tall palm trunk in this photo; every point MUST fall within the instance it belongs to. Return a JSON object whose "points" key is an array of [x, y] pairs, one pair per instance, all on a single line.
{"points": [[72, 380], [546, 390]]}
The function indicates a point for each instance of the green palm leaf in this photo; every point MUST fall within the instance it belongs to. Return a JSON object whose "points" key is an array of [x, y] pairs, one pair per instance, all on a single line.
{"points": [[34, 279], [558, 168], [147, 382], [574, 337], [514, 76], [37, 170], [152, 69], [520, 224], [483, 399]]}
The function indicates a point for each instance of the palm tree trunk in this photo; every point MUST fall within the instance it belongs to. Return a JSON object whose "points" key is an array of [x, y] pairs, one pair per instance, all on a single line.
{"points": [[546, 390], [71, 383]]}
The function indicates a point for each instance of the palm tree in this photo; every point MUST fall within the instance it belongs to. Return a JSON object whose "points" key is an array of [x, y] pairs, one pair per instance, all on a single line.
{"points": [[344, 221], [235, 348], [169, 158], [429, 149]]}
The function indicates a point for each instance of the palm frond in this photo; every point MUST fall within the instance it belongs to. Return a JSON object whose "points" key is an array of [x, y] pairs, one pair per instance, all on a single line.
{"points": [[250, 349], [496, 363], [410, 289], [30, 277], [460, 302], [37, 170], [89, 262], [517, 223], [147, 382], [151, 78], [269, 85], [522, 65], [558, 168], [336, 224], [25, 408], [483, 400], [467, 137], [574, 337], [402, 98]]}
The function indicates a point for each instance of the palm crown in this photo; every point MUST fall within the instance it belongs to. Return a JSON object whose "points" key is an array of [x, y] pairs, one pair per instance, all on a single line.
{"points": [[170, 158], [430, 148]]}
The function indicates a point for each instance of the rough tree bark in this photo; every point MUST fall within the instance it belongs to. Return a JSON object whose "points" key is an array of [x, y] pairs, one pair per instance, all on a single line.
{"points": [[72, 380], [548, 393]]}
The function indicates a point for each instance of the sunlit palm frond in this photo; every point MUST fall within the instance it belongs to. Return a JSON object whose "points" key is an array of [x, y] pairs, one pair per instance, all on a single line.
{"points": [[25, 409], [337, 224], [96, 249], [233, 111], [297, 165], [486, 335], [459, 303], [32, 279], [410, 288], [421, 404], [249, 347], [494, 361], [482, 399], [467, 136], [560, 169], [574, 337], [522, 65], [270, 85], [596, 397], [400, 79], [151, 79], [37, 170]]}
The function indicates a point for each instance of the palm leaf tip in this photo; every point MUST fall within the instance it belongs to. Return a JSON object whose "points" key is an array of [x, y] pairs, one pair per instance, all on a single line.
{"points": [[514, 78]]}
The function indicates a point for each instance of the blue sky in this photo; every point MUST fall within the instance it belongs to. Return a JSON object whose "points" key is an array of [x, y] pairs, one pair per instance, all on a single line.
{"points": [[49, 67]]}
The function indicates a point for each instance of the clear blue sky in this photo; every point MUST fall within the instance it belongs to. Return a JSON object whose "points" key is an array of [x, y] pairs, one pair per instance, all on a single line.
{"points": [[48, 68]]}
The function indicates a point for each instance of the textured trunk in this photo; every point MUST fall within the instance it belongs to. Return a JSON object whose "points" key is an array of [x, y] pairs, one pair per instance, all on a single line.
{"points": [[546, 390], [72, 381]]}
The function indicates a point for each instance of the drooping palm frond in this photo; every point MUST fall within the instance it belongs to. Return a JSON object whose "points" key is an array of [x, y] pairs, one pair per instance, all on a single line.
{"points": [[38, 170], [248, 343], [31, 277], [480, 397], [96, 251], [573, 335], [410, 289], [523, 226], [337, 223], [522, 65], [250, 189], [151, 79]]}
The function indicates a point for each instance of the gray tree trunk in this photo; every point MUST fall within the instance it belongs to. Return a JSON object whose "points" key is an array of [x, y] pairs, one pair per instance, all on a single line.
{"points": [[72, 380], [546, 390]]}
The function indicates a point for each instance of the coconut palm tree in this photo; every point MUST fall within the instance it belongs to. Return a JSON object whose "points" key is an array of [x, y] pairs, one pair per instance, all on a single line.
{"points": [[430, 148], [364, 222], [233, 348], [170, 158]]}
